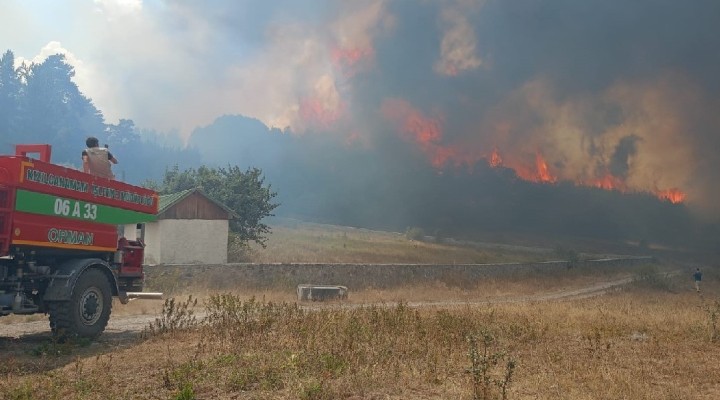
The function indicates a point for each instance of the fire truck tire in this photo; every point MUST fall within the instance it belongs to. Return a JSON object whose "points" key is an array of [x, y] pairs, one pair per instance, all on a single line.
{"points": [[87, 313]]}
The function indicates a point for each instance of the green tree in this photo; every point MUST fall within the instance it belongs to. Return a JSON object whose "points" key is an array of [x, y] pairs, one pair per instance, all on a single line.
{"points": [[10, 89], [54, 110], [124, 133], [244, 192]]}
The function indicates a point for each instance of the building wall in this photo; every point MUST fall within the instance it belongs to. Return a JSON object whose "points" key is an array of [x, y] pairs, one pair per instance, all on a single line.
{"points": [[184, 241], [153, 242], [193, 241]]}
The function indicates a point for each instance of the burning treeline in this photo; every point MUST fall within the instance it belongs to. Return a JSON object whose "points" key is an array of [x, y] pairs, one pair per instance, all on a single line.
{"points": [[419, 113], [528, 164], [468, 81]]}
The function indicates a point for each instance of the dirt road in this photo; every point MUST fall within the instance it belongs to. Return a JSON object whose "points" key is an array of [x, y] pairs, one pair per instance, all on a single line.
{"points": [[126, 327]]}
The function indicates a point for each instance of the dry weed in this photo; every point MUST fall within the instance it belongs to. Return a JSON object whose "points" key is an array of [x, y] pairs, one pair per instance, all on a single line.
{"points": [[640, 344]]}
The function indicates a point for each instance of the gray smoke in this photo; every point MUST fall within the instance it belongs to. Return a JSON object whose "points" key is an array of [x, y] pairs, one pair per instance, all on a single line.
{"points": [[620, 162], [559, 83]]}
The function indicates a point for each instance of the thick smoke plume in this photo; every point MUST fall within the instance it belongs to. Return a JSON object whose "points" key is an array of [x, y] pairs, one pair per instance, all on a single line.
{"points": [[603, 94], [597, 93]]}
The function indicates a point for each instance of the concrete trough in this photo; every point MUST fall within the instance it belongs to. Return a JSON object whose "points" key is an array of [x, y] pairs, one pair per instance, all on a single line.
{"points": [[307, 292]]}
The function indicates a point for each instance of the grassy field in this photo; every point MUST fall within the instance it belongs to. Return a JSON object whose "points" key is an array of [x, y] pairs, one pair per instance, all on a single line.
{"points": [[654, 339], [641, 343], [294, 241]]}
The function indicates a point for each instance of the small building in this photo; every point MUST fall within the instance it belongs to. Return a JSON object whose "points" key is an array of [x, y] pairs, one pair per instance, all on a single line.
{"points": [[191, 228]]}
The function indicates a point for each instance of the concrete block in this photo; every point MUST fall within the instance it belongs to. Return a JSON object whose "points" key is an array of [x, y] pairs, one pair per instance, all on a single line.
{"points": [[307, 292]]}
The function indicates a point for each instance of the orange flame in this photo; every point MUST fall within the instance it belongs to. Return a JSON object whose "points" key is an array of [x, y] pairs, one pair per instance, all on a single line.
{"points": [[543, 174], [673, 195], [350, 56], [351, 60], [423, 129], [426, 132], [540, 172], [495, 159], [608, 182], [314, 111]]}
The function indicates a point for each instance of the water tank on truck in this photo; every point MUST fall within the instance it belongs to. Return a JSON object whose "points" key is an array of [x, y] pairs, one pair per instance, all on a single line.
{"points": [[60, 250]]}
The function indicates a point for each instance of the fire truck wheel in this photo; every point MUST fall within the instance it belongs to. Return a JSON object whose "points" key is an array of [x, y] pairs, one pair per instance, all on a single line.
{"points": [[88, 311]]}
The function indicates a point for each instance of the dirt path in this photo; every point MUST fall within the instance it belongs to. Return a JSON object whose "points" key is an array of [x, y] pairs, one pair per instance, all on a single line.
{"points": [[594, 290], [126, 327]]}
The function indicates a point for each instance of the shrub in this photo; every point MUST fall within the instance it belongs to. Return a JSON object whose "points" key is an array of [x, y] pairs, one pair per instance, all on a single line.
{"points": [[649, 276], [713, 313], [414, 233], [238, 249], [486, 381], [186, 393], [175, 316], [569, 255]]}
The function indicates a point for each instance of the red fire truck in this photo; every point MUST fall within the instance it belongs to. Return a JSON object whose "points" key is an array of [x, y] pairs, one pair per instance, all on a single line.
{"points": [[60, 248]]}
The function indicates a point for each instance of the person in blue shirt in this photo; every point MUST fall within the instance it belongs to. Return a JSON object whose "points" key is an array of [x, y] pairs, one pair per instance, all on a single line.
{"points": [[698, 277]]}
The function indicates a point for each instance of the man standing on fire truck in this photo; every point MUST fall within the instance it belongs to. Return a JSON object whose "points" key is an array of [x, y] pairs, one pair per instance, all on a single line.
{"points": [[96, 160]]}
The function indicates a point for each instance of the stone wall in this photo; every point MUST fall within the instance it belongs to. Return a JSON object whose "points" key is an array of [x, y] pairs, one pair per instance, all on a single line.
{"points": [[360, 276]]}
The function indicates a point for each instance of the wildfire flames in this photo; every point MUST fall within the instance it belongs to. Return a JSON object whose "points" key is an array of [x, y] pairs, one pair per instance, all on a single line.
{"points": [[673, 195], [541, 174], [609, 182], [427, 133], [537, 173], [319, 114], [351, 60], [495, 159]]}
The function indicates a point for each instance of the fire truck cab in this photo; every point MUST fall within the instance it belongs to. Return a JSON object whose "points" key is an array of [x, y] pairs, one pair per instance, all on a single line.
{"points": [[61, 252]]}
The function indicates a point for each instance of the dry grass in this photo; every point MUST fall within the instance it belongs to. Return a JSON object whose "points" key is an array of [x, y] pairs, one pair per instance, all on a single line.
{"points": [[641, 343], [656, 339], [202, 284], [306, 242]]}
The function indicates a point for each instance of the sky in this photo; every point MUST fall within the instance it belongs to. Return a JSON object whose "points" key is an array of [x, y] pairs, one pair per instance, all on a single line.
{"points": [[175, 65], [603, 93]]}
